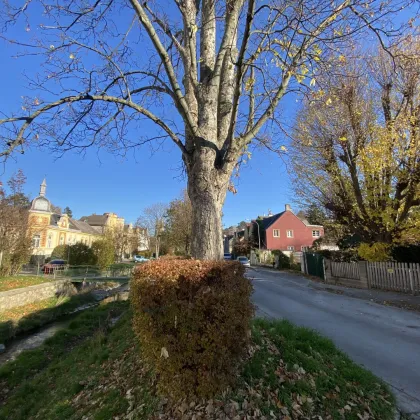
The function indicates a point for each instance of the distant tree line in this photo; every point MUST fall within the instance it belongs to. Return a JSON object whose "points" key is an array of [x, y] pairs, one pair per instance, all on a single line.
{"points": [[15, 237]]}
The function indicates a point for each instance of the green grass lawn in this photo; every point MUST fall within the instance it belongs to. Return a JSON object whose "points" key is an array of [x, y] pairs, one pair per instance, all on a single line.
{"points": [[16, 282], [33, 315], [95, 370]]}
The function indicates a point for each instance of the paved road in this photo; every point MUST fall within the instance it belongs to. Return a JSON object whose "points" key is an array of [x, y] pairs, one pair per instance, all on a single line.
{"points": [[385, 340]]}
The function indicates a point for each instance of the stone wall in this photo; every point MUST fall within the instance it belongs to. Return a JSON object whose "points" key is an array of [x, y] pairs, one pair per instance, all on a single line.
{"points": [[18, 297]]}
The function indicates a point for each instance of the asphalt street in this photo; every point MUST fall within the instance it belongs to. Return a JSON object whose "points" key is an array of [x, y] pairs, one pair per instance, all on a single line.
{"points": [[385, 340]]}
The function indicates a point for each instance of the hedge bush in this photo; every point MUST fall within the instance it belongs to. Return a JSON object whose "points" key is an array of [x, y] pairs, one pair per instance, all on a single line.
{"points": [[283, 260], [376, 252], [343, 255], [406, 253], [192, 319]]}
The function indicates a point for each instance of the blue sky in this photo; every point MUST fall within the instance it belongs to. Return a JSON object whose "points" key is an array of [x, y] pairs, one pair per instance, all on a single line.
{"points": [[98, 183]]}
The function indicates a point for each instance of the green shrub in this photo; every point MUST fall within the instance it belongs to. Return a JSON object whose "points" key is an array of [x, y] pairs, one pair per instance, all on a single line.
{"points": [[60, 251], [77, 254], [104, 252], [406, 253], [295, 267], [81, 254], [283, 259], [121, 266], [192, 318], [376, 252], [343, 255]]}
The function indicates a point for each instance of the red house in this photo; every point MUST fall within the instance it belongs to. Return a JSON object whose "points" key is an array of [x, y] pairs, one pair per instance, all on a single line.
{"points": [[286, 232]]}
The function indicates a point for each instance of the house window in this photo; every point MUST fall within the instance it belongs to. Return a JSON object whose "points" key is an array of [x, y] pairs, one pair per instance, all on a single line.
{"points": [[49, 242], [62, 240], [290, 248], [36, 241], [316, 234], [303, 248], [289, 233], [276, 233]]}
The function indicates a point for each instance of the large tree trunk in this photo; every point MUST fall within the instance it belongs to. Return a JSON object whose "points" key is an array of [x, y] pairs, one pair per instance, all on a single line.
{"points": [[207, 186]]}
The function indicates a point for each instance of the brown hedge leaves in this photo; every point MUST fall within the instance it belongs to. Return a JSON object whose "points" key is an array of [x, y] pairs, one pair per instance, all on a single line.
{"points": [[192, 318]]}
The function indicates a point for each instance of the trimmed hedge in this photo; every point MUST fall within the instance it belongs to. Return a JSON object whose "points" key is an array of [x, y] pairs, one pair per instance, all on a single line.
{"points": [[193, 321], [283, 260]]}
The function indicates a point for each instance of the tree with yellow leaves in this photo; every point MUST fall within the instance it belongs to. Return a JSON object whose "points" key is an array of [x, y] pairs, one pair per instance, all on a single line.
{"points": [[356, 145]]}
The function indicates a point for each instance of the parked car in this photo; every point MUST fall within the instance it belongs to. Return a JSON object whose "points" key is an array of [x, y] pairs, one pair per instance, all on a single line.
{"points": [[227, 256], [244, 261], [53, 265], [140, 259]]}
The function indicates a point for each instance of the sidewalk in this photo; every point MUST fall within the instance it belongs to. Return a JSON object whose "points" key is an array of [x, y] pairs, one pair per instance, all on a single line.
{"points": [[382, 297], [399, 300]]}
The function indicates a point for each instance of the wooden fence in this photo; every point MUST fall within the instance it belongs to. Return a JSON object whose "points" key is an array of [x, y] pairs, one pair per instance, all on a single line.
{"points": [[400, 277], [346, 270]]}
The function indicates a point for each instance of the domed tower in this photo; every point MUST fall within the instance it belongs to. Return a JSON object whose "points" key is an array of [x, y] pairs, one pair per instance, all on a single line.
{"points": [[41, 203]]}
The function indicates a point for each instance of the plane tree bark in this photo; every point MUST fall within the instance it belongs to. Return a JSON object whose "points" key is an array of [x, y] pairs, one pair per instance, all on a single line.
{"points": [[206, 74]]}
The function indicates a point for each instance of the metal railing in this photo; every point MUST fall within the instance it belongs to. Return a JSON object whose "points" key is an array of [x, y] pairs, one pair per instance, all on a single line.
{"points": [[79, 271]]}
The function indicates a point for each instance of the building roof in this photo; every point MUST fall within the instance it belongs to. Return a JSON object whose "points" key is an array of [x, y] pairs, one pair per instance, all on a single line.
{"points": [[95, 219], [268, 221], [41, 203], [82, 226], [74, 224]]}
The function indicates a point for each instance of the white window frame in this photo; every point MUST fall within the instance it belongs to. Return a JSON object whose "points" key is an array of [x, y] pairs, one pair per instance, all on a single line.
{"points": [[62, 240], [276, 231], [49, 241], [290, 248], [37, 241], [291, 233], [315, 235]]}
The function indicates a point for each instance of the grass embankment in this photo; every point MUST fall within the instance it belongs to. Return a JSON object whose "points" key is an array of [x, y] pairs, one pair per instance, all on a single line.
{"points": [[16, 282], [33, 315], [96, 371]]}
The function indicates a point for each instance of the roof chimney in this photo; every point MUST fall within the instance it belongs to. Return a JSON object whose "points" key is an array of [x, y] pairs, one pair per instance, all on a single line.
{"points": [[287, 207]]}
